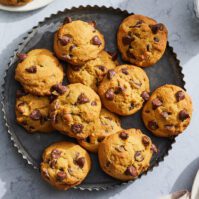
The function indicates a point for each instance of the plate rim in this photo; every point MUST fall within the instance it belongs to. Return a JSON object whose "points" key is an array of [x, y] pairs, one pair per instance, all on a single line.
{"points": [[16, 142]]}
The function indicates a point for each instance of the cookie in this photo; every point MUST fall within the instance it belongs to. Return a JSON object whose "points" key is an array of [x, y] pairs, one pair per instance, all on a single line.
{"points": [[32, 112], [74, 112], [38, 71], [124, 89], [14, 2], [141, 40], [65, 165], [92, 72], [108, 124], [168, 111], [125, 154], [78, 42]]}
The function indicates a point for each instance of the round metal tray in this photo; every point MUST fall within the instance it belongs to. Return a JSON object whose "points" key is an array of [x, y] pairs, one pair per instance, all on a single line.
{"points": [[167, 70]]}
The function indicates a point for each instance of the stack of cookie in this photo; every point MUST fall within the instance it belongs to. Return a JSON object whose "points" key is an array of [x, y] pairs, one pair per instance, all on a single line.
{"points": [[100, 89]]}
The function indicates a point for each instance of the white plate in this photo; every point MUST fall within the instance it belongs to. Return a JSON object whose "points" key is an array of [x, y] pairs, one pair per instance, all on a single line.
{"points": [[35, 4]]}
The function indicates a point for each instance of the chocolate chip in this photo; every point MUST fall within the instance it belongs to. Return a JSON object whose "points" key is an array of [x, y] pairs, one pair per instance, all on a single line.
{"points": [[125, 71], [77, 128], [20, 93], [138, 24], [131, 171], [156, 103], [59, 88], [156, 39], [100, 139], [153, 125], [148, 47], [80, 162], [108, 163], [96, 41], [92, 23], [123, 135], [180, 96], [102, 68], [53, 163], [119, 90], [154, 148], [61, 175], [67, 20], [138, 156], [130, 54], [145, 141], [109, 94], [35, 115], [110, 74], [64, 40], [93, 103], [155, 28], [82, 99], [54, 117], [22, 56], [76, 68], [55, 154], [126, 40], [132, 106], [72, 47], [145, 95], [52, 98], [32, 69], [183, 115], [114, 55]]}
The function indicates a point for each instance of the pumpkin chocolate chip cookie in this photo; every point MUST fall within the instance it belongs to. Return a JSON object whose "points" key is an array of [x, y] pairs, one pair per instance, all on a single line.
{"points": [[38, 71], [125, 154], [168, 111], [65, 165], [108, 124], [78, 42], [14, 2], [141, 40], [124, 89], [92, 72], [74, 112], [32, 112]]}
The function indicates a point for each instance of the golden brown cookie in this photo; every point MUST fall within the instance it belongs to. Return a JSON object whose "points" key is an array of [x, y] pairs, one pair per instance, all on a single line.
{"points": [[124, 89], [78, 42], [168, 111], [14, 2], [107, 124], [92, 72], [32, 113], [141, 40], [74, 112], [125, 154], [65, 165], [38, 71]]}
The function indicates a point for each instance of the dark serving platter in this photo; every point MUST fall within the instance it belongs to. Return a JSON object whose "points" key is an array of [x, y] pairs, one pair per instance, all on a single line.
{"points": [[167, 70]]}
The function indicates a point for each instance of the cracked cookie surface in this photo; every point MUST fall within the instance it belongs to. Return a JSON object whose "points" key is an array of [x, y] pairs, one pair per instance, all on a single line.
{"points": [[78, 42], [75, 111], [92, 72], [38, 71], [32, 112], [14, 2], [141, 40], [125, 154], [65, 165], [107, 124], [122, 90], [168, 111]]}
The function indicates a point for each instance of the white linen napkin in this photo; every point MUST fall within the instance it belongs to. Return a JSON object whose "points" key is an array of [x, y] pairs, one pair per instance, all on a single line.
{"points": [[185, 194]]}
